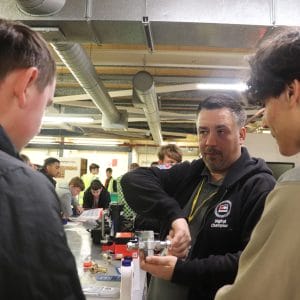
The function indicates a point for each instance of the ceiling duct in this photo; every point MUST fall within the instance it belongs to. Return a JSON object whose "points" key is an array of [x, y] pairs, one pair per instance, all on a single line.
{"points": [[144, 90], [40, 7], [80, 65]]}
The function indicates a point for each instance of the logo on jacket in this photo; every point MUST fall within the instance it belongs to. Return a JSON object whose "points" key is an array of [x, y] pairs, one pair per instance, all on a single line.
{"points": [[223, 209]]}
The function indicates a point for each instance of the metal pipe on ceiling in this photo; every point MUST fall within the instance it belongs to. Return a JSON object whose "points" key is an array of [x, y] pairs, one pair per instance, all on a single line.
{"points": [[80, 65], [40, 7], [143, 86]]}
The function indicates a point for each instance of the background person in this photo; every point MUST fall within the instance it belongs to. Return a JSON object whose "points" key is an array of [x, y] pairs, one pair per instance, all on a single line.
{"points": [[68, 197], [89, 177], [96, 196], [168, 155], [51, 169], [110, 182], [221, 196], [269, 267], [36, 262]]}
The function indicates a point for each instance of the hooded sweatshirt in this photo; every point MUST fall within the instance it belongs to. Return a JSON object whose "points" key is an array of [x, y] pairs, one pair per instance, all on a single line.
{"points": [[227, 219]]}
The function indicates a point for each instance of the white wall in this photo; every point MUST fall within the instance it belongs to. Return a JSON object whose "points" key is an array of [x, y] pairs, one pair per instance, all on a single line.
{"points": [[259, 145], [37, 156], [265, 146], [103, 159]]}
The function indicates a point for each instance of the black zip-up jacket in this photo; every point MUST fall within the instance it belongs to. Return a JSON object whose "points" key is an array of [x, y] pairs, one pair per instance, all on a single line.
{"points": [[103, 202], [228, 219], [35, 260]]}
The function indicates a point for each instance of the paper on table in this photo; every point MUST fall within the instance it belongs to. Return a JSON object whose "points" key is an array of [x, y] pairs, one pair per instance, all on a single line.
{"points": [[90, 214]]}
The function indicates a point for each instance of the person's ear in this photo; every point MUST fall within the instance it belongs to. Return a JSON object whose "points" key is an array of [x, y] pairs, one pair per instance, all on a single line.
{"points": [[242, 135], [24, 80], [293, 91]]}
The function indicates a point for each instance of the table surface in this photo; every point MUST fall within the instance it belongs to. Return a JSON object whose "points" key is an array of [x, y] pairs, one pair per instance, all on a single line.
{"points": [[82, 247]]}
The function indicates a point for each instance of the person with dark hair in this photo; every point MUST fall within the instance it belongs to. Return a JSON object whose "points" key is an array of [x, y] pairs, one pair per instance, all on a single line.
{"points": [[96, 196], [154, 164], [269, 266], [207, 207], [67, 194], [89, 177], [110, 182], [36, 262], [51, 169]]}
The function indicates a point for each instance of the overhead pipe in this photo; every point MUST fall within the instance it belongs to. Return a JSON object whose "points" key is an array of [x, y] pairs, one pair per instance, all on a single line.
{"points": [[80, 65], [40, 7], [144, 90]]}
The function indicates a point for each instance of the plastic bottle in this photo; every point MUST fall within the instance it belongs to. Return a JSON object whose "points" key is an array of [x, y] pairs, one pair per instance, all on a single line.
{"points": [[126, 279]]}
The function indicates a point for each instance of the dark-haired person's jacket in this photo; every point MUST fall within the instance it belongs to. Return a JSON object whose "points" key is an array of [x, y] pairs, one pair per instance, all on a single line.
{"points": [[35, 260], [50, 178], [214, 257], [103, 202]]}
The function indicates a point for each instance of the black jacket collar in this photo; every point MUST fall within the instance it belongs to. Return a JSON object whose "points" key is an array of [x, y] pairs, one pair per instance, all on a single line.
{"points": [[6, 145]]}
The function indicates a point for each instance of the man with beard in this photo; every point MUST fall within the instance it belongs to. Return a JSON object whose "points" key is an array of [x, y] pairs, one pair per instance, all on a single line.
{"points": [[208, 207], [269, 266]]}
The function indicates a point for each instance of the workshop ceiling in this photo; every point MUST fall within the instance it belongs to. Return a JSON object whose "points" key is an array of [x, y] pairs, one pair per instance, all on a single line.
{"points": [[100, 46]]}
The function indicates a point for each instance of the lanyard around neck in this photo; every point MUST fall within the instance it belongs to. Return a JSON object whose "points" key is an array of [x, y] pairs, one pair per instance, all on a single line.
{"points": [[195, 209]]}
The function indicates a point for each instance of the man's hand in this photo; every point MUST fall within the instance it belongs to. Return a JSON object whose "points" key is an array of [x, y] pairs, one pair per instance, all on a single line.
{"points": [[159, 266], [180, 238]]}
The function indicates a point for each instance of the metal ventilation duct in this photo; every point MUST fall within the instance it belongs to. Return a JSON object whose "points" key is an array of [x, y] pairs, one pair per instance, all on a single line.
{"points": [[144, 89], [80, 65], [40, 7]]}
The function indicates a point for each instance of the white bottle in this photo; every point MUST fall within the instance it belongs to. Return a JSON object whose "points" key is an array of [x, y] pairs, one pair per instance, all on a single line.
{"points": [[126, 279], [139, 282]]}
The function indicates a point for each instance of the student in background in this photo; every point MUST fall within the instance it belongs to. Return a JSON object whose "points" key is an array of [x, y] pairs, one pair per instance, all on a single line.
{"points": [[168, 155], [110, 183], [68, 197], [269, 266], [36, 262], [89, 177], [96, 196], [51, 169]]}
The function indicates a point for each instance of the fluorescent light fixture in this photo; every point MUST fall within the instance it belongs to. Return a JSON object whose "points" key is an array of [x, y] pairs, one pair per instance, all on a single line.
{"points": [[148, 33], [44, 140], [92, 142], [60, 120], [223, 86], [74, 141]]}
